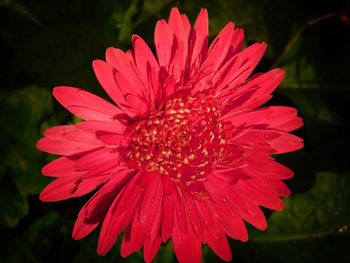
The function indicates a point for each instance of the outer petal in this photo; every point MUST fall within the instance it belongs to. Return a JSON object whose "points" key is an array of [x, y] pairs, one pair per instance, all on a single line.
{"points": [[239, 67], [181, 28], [95, 209], [121, 212], [219, 47], [252, 94], [275, 117], [96, 159], [131, 82], [163, 40], [187, 246], [63, 147], [106, 76], [71, 186], [85, 105], [149, 67], [198, 41], [220, 246], [61, 167]]}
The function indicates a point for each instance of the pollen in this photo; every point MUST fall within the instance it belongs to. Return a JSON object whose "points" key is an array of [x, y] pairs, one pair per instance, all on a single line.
{"points": [[183, 140]]}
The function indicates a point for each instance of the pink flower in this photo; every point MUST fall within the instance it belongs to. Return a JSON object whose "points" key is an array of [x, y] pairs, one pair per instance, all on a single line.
{"points": [[185, 154]]}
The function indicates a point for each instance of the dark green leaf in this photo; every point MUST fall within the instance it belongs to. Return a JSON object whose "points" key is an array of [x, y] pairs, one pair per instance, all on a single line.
{"points": [[312, 225]]}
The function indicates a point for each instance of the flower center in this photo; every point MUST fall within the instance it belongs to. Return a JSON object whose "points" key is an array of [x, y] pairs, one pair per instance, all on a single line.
{"points": [[184, 141]]}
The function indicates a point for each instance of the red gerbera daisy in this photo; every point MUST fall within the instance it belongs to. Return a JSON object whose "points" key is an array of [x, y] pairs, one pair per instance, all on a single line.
{"points": [[184, 153]]}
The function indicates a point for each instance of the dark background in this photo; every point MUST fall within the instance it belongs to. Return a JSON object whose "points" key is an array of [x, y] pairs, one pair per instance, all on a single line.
{"points": [[49, 43]]}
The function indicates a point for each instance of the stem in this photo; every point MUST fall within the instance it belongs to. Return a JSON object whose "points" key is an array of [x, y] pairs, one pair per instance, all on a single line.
{"points": [[300, 31]]}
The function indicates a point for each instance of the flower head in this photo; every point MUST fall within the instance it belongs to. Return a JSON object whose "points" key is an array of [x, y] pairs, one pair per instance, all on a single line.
{"points": [[184, 153]]}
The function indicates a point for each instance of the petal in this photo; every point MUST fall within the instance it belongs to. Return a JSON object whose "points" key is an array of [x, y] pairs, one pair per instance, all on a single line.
{"points": [[219, 47], [133, 238], [227, 215], [181, 30], [163, 41], [96, 159], [169, 200], [236, 44], [85, 104], [258, 195], [247, 210], [195, 218], [71, 186], [63, 166], [265, 166], [287, 143], [252, 94], [131, 82], [95, 209], [187, 246], [105, 74], [139, 102], [151, 247], [239, 67], [63, 147], [220, 246], [275, 117], [116, 140], [199, 41], [144, 56], [153, 197], [148, 66], [121, 212], [102, 126], [280, 141]]}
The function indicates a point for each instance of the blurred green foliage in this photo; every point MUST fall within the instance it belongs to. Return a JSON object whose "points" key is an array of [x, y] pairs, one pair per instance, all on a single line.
{"points": [[49, 43]]}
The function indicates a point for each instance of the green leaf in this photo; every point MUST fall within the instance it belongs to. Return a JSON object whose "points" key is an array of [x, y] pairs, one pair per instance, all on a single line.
{"points": [[313, 225], [13, 205], [127, 25], [23, 111]]}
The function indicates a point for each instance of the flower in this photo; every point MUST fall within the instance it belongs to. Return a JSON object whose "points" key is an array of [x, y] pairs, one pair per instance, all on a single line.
{"points": [[184, 153]]}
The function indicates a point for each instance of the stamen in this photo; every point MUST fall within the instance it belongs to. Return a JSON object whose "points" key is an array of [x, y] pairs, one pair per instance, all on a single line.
{"points": [[183, 141]]}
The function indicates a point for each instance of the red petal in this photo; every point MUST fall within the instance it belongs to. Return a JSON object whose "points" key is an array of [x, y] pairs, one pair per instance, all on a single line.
{"points": [[239, 67], [169, 200], [163, 41], [61, 167], [151, 247], [219, 47], [95, 209], [252, 94], [77, 100], [258, 195], [71, 186], [220, 246], [102, 126], [181, 30], [153, 197], [187, 246], [286, 143], [114, 139], [248, 211], [106, 76], [199, 40], [195, 218], [148, 66], [63, 147], [236, 44], [131, 82], [265, 166], [96, 159], [120, 213], [275, 117]]}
